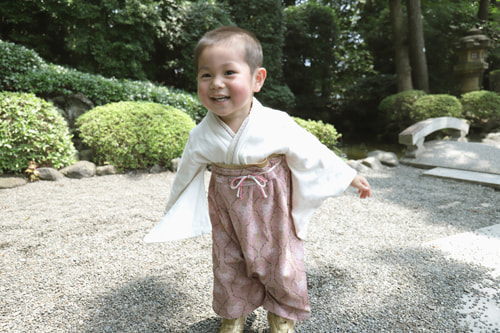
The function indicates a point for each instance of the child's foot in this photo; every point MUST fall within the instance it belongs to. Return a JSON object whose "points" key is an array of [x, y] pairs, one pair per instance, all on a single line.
{"points": [[279, 324], [232, 325]]}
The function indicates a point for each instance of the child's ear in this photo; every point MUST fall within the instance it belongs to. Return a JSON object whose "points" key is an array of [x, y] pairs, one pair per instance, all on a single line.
{"points": [[260, 77]]}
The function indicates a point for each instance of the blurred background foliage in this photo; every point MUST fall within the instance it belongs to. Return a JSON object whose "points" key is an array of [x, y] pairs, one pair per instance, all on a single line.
{"points": [[329, 60]]}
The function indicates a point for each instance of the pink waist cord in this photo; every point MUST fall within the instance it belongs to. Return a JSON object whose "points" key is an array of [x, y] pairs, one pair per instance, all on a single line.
{"points": [[259, 180]]}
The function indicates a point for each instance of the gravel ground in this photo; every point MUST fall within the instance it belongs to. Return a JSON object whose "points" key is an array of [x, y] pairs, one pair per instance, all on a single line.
{"points": [[72, 258]]}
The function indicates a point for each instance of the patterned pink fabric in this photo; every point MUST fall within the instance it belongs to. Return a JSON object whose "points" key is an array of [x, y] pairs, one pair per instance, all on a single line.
{"points": [[258, 260]]}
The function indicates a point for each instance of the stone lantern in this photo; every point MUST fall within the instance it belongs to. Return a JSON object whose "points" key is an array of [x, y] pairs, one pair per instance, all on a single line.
{"points": [[471, 64]]}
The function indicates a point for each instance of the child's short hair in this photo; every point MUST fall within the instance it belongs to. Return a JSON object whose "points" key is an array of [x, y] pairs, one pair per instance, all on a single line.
{"points": [[228, 34]]}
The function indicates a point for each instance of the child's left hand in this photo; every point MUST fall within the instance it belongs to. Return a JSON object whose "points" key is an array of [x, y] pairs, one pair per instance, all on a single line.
{"points": [[362, 185]]}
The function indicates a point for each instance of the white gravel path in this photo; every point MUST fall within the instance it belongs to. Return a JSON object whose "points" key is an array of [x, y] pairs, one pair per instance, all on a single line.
{"points": [[72, 259]]}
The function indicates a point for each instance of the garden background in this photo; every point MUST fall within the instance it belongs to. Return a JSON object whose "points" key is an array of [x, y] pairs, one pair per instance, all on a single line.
{"points": [[330, 61]]}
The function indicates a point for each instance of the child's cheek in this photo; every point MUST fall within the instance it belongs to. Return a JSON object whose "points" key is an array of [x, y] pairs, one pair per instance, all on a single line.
{"points": [[240, 93], [203, 94]]}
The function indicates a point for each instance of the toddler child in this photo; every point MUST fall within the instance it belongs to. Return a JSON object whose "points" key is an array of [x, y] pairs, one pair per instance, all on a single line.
{"points": [[268, 175]]}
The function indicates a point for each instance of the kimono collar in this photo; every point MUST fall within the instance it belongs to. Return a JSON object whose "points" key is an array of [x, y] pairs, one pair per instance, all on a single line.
{"points": [[256, 107]]}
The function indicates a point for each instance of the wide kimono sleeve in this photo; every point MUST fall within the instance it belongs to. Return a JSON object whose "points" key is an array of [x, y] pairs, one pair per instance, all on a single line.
{"points": [[186, 212], [317, 174]]}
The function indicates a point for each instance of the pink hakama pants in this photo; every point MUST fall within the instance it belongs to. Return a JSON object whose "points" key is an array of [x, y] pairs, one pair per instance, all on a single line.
{"points": [[258, 260]]}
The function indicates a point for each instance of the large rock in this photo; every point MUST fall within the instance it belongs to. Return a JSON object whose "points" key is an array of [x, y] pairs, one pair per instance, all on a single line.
{"points": [[106, 170], [492, 139], [175, 164], [10, 182], [86, 155], [157, 169], [49, 174], [385, 157], [358, 166], [81, 169], [73, 106], [372, 163]]}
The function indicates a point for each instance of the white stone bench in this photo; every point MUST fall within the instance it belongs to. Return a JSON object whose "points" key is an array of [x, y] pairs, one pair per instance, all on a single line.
{"points": [[414, 136]]}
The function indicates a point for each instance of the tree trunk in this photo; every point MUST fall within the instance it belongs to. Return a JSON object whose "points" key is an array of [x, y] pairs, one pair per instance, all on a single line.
{"points": [[484, 9], [417, 45], [402, 58]]}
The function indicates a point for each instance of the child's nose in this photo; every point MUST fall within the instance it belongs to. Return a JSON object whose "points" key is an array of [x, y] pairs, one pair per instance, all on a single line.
{"points": [[217, 82]]}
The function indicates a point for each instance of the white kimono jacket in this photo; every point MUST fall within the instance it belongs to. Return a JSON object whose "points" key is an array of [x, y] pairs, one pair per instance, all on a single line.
{"points": [[317, 173]]}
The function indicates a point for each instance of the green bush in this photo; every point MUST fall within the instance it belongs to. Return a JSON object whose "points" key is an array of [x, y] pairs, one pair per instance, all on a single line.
{"points": [[276, 96], [439, 105], [482, 107], [395, 112], [495, 80], [131, 135], [398, 107], [16, 59], [326, 133], [23, 70], [32, 129]]}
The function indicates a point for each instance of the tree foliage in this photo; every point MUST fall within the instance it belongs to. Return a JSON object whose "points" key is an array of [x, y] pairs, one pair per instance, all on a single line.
{"points": [[110, 37], [353, 59], [265, 19], [326, 59], [444, 23], [309, 55], [196, 19], [22, 69]]}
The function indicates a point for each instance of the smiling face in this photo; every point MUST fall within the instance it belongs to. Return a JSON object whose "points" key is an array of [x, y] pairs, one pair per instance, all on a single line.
{"points": [[226, 84]]}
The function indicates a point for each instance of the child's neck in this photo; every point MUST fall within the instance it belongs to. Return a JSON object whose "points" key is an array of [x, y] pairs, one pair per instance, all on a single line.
{"points": [[235, 122]]}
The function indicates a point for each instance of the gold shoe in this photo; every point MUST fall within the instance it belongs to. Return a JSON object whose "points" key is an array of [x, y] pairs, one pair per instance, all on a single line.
{"points": [[279, 324], [232, 325]]}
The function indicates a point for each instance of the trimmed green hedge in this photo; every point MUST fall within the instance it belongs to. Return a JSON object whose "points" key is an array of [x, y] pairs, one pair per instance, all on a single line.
{"points": [[482, 107], [32, 129], [495, 80], [439, 105], [398, 107], [396, 112], [23, 70], [408, 107], [481, 104], [134, 135]]}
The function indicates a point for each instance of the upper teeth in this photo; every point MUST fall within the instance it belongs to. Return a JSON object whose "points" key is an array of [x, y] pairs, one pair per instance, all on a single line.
{"points": [[220, 98]]}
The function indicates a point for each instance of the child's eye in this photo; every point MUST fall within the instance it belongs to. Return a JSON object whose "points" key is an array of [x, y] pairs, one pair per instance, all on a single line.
{"points": [[205, 75], [230, 72]]}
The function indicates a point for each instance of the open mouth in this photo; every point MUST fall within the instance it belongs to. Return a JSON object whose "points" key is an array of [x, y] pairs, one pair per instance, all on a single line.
{"points": [[220, 99]]}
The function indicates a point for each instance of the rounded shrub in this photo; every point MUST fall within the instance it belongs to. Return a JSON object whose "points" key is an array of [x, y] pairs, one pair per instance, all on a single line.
{"points": [[398, 107], [132, 135], [495, 80], [482, 107], [395, 110], [439, 105], [16, 59], [326, 133], [32, 129]]}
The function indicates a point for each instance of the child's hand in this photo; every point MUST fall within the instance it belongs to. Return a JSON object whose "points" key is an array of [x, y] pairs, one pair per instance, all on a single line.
{"points": [[362, 185]]}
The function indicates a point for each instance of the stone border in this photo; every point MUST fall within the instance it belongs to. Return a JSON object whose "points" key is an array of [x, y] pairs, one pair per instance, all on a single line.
{"points": [[86, 169]]}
